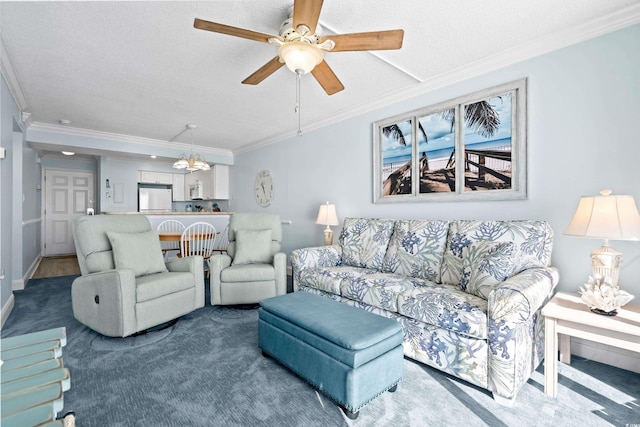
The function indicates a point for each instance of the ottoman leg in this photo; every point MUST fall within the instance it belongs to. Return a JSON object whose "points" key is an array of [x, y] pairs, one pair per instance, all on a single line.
{"points": [[349, 414], [393, 389]]}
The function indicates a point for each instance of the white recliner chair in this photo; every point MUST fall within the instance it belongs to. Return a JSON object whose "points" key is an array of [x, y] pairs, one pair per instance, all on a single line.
{"points": [[253, 267], [126, 287]]}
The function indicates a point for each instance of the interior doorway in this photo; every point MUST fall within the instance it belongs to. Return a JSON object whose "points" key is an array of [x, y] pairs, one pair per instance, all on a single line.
{"points": [[67, 196]]}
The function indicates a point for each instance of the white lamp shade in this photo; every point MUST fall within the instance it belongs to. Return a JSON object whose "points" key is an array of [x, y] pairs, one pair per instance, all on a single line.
{"points": [[300, 57], [327, 215], [606, 217]]}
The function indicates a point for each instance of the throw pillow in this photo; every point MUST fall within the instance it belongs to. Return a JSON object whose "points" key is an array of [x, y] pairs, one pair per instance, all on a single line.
{"points": [[486, 265], [416, 248], [253, 247], [140, 252], [364, 241]]}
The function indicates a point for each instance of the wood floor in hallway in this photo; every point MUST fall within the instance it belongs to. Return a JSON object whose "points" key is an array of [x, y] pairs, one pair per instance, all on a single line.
{"points": [[57, 266]]}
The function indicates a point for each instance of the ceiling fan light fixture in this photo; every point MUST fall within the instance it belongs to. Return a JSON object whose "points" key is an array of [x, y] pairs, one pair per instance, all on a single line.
{"points": [[300, 57]]}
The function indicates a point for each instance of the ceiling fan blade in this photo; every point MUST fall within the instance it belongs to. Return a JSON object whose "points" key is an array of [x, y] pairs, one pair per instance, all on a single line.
{"points": [[263, 72], [306, 12], [377, 40], [327, 78], [233, 31]]}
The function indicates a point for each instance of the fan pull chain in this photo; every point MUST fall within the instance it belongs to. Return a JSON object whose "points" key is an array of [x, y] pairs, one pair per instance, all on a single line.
{"points": [[297, 109]]}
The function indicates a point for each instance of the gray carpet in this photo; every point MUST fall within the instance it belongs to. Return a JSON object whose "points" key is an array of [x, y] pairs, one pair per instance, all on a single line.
{"points": [[207, 370]]}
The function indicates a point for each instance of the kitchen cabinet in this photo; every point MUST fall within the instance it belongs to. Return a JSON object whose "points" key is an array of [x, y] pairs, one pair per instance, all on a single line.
{"points": [[150, 177], [215, 182], [178, 187]]}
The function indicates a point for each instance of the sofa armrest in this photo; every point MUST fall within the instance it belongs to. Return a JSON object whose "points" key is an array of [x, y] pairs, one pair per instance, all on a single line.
{"points": [[515, 328], [105, 302], [191, 264], [315, 257], [521, 296]]}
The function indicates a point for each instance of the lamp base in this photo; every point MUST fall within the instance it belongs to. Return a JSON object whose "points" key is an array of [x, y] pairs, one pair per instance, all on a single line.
{"points": [[605, 261], [328, 236]]}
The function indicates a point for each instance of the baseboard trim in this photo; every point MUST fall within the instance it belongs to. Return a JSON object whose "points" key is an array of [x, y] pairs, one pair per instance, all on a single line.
{"points": [[618, 357], [19, 285], [7, 309]]}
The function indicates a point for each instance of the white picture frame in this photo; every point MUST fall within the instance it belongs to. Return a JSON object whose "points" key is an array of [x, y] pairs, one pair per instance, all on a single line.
{"points": [[472, 147]]}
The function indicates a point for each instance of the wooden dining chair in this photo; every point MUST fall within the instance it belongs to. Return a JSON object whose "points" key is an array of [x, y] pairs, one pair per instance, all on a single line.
{"points": [[222, 241], [198, 239], [168, 246]]}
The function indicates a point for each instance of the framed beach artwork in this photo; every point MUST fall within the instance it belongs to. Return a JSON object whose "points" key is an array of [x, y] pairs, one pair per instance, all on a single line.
{"points": [[469, 148]]}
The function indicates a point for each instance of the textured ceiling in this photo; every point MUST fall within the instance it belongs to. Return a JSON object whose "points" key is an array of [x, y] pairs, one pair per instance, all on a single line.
{"points": [[141, 69]]}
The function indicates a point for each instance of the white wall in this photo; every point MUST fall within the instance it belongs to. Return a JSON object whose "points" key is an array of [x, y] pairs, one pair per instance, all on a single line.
{"points": [[583, 106]]}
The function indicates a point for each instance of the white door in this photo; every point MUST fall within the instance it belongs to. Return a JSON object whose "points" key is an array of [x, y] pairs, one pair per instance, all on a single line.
{"points": [[68, 194]]}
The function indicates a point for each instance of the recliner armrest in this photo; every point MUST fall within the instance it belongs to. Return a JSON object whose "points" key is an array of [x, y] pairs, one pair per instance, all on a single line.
{"points": [[192, 264], [105, 301]]}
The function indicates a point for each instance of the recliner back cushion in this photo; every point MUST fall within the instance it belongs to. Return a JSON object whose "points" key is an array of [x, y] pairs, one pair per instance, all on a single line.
{"points": [[246, 221], [416, 248], [533, 241], [92, 244], [364, 241]]}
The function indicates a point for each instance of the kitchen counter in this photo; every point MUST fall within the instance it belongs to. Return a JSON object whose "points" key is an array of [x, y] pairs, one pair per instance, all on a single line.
{"points": [[166, 213]]}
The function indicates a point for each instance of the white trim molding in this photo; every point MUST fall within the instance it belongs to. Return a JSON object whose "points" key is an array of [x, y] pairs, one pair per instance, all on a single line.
{"points": [[7, 308], [20, 284], [7, 70]]}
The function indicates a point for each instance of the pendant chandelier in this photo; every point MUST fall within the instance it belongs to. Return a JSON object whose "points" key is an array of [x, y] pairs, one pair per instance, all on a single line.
{"points": [[193, 162]]}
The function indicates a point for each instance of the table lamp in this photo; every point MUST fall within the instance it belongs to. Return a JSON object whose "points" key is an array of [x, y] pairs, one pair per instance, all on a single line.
{"points": [[606, 217], [327, 216]]}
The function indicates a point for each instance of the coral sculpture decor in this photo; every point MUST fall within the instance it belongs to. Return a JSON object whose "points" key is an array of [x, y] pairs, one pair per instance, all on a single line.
{"points": [[602, 297]]}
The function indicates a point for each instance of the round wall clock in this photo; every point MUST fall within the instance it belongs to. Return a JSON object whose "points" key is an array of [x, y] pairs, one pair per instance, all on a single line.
{"points": [[263, 189]]}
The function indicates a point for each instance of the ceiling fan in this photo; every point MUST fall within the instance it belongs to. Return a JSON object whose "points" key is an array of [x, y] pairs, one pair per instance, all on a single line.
{"points": [[302, 45]]}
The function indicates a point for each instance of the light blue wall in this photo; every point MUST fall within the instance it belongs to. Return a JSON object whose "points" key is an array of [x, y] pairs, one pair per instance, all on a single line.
{"points": [[583, 109], [20, 198]]}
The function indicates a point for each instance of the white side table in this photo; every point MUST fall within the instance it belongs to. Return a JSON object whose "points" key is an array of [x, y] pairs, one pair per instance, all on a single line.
{"points": [[567, 316]]}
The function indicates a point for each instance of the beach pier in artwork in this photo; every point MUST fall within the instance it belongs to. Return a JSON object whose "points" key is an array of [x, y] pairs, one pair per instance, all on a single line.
{"points": [[480, 163]]}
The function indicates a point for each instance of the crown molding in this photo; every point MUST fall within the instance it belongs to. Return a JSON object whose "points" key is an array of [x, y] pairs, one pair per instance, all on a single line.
{"points": [[87, 133], [548, 43], [10, 76]]}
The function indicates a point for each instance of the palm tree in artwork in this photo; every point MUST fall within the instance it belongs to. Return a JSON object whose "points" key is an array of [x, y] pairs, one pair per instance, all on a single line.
{"points": [[479, 116]]}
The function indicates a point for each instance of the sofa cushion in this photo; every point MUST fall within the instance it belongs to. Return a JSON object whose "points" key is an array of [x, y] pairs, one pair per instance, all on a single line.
{"points": [[153, 286], [485, 266], [379, 289], [140, 252], [253, 246], [447, 307], [328, 279], [533, 241], [248, 273], [416, 248], [364, 241]]}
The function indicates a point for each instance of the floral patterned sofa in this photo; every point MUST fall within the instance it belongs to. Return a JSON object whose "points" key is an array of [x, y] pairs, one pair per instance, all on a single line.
{"points": [[467, 293]]}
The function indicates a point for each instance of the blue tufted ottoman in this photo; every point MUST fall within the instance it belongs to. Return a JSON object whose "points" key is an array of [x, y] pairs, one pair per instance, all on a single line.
{"points": [[349, 354]]}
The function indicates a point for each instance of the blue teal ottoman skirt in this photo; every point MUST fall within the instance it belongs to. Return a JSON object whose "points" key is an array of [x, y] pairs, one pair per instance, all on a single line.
{"points": [[349, 354]]}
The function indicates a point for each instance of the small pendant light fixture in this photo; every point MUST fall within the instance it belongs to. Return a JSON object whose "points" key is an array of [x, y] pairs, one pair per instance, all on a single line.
{"points": [[191, 163]]}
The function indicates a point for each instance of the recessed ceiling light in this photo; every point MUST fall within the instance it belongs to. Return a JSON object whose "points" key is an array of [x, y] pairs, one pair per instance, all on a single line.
{"points": [[153, 157], [68, 153], [64, 122]]}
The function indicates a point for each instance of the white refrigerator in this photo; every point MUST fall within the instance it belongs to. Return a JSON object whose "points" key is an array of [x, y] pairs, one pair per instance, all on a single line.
{"points": [[154, 199]]}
